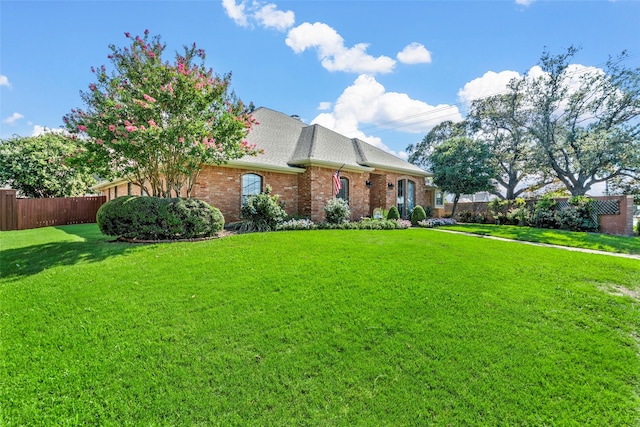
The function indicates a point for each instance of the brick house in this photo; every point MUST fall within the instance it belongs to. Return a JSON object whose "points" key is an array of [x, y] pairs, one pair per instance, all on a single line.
{"points": [[298, 163]]}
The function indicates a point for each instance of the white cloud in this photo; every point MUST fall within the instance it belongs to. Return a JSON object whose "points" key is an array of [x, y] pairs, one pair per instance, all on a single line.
{"points": [[265, 15], [332, 52], [414, 53], [4, 81], [490, 83], [524, 2], [323, 106], [236, 12], [11, 120], [41, 130], [366, 101], [269, 17]]}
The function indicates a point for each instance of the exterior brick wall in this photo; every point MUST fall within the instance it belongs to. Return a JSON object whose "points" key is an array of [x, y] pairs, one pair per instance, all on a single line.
{"points": [[618, 224], [304, 193], [122, 190], [222, 187]]}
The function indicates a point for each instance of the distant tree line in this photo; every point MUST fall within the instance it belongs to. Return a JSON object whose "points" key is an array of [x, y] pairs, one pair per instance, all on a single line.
{"points": [[575, 129]]}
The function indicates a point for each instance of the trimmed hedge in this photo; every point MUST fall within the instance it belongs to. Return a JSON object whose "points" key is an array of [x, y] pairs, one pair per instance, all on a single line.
{"points": [[418, 214], [393, 213], [155, 218]]}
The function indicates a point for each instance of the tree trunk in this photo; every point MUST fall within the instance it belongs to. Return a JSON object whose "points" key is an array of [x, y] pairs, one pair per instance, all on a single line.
{"points": [[456, 197]]}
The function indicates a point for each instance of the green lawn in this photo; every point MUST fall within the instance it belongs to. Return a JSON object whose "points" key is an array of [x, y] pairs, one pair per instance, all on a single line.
{"points": [[403, 328], [596, 241]]}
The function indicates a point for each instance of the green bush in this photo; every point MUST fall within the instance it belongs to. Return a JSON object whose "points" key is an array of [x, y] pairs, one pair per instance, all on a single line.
{"points": [[428, 211], [337, 211], [466, 216], [471, 217], [262, 212], [544, 213], [418, 214], [393, 213], [154, 218], [586, 211]]}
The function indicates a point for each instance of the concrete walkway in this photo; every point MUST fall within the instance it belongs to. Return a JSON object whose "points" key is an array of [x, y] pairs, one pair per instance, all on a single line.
{"points": [[566, 248]]}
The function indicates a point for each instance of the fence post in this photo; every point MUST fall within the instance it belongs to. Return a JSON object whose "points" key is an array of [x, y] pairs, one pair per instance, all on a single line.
{"points": [[8, 210], [628, 201]]}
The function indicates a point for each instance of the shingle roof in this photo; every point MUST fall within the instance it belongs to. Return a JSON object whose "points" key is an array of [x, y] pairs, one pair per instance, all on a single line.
{"points": [[290, 145]]}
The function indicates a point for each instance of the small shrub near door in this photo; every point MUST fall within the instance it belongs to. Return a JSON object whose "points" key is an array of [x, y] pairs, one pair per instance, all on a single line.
{"points": [[393, 213], [155, 218], [418, 214], [337, 211]]}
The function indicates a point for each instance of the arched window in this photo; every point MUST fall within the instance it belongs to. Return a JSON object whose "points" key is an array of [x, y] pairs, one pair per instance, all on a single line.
{"points": [[344, 191], [251, 184], [411, 196], [406, 197]]}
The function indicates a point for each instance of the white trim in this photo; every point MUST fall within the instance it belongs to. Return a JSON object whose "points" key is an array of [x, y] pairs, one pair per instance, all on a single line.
{"points": [[406, 171]]}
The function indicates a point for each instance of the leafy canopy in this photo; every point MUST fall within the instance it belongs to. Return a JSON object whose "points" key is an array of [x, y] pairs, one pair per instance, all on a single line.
{"points": [[37, 166], [156, 123], [462, 166], [585, 123]]}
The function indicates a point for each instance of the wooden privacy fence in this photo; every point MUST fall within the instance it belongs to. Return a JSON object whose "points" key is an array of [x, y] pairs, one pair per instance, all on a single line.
{"points": [[22, 214]]}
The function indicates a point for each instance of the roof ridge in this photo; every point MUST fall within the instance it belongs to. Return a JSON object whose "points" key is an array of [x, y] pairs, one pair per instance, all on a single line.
{"points": [[312, 141], [361, 158]]}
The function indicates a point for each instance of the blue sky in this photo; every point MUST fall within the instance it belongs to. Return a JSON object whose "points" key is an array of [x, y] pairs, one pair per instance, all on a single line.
{"points": [[383, 71]]}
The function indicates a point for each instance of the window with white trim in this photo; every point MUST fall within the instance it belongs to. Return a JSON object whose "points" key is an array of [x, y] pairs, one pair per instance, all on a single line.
{"points": [[251, 185], [344, 191]]}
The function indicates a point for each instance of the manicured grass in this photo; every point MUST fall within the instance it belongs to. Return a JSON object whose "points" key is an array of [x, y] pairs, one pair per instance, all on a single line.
{"points": [[405, 327], [596, 241]]}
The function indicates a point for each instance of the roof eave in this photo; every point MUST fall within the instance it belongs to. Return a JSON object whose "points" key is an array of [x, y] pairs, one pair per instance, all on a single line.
{"points": [[333, 165], [106, 184], [380, 166], [236, 164]]}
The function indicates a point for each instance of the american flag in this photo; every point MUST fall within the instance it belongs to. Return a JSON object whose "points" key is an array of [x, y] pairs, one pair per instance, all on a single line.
{"points": [[337, 186]]}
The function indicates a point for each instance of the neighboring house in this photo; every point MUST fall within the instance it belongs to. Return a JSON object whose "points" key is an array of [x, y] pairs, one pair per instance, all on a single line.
{"points": [[298, 163]]}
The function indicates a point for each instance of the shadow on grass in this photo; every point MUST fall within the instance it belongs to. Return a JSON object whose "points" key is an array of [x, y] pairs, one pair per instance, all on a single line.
{"points": [[28, 260]]}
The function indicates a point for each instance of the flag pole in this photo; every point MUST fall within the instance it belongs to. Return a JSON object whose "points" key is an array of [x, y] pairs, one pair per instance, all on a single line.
{"points": [[337, 185]]}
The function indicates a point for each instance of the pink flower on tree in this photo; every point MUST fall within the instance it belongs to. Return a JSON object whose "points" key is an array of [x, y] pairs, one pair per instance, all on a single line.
{"points": [[82, 128], [149, 98], [112, 128]]}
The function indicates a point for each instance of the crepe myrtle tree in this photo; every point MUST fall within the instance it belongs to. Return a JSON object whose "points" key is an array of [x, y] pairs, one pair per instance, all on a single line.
{"points": [[156, 123]]}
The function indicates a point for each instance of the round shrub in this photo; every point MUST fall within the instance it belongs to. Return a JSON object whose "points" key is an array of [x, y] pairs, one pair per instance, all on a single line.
{"points": [[336, 211], [418, 214], [544, 213], [155, 218], [262, 212], [428, 211], [393, 213]]}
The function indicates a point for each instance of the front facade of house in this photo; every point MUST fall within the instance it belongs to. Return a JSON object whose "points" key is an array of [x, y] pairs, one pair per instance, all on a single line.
{"points": [[298, 163]]}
